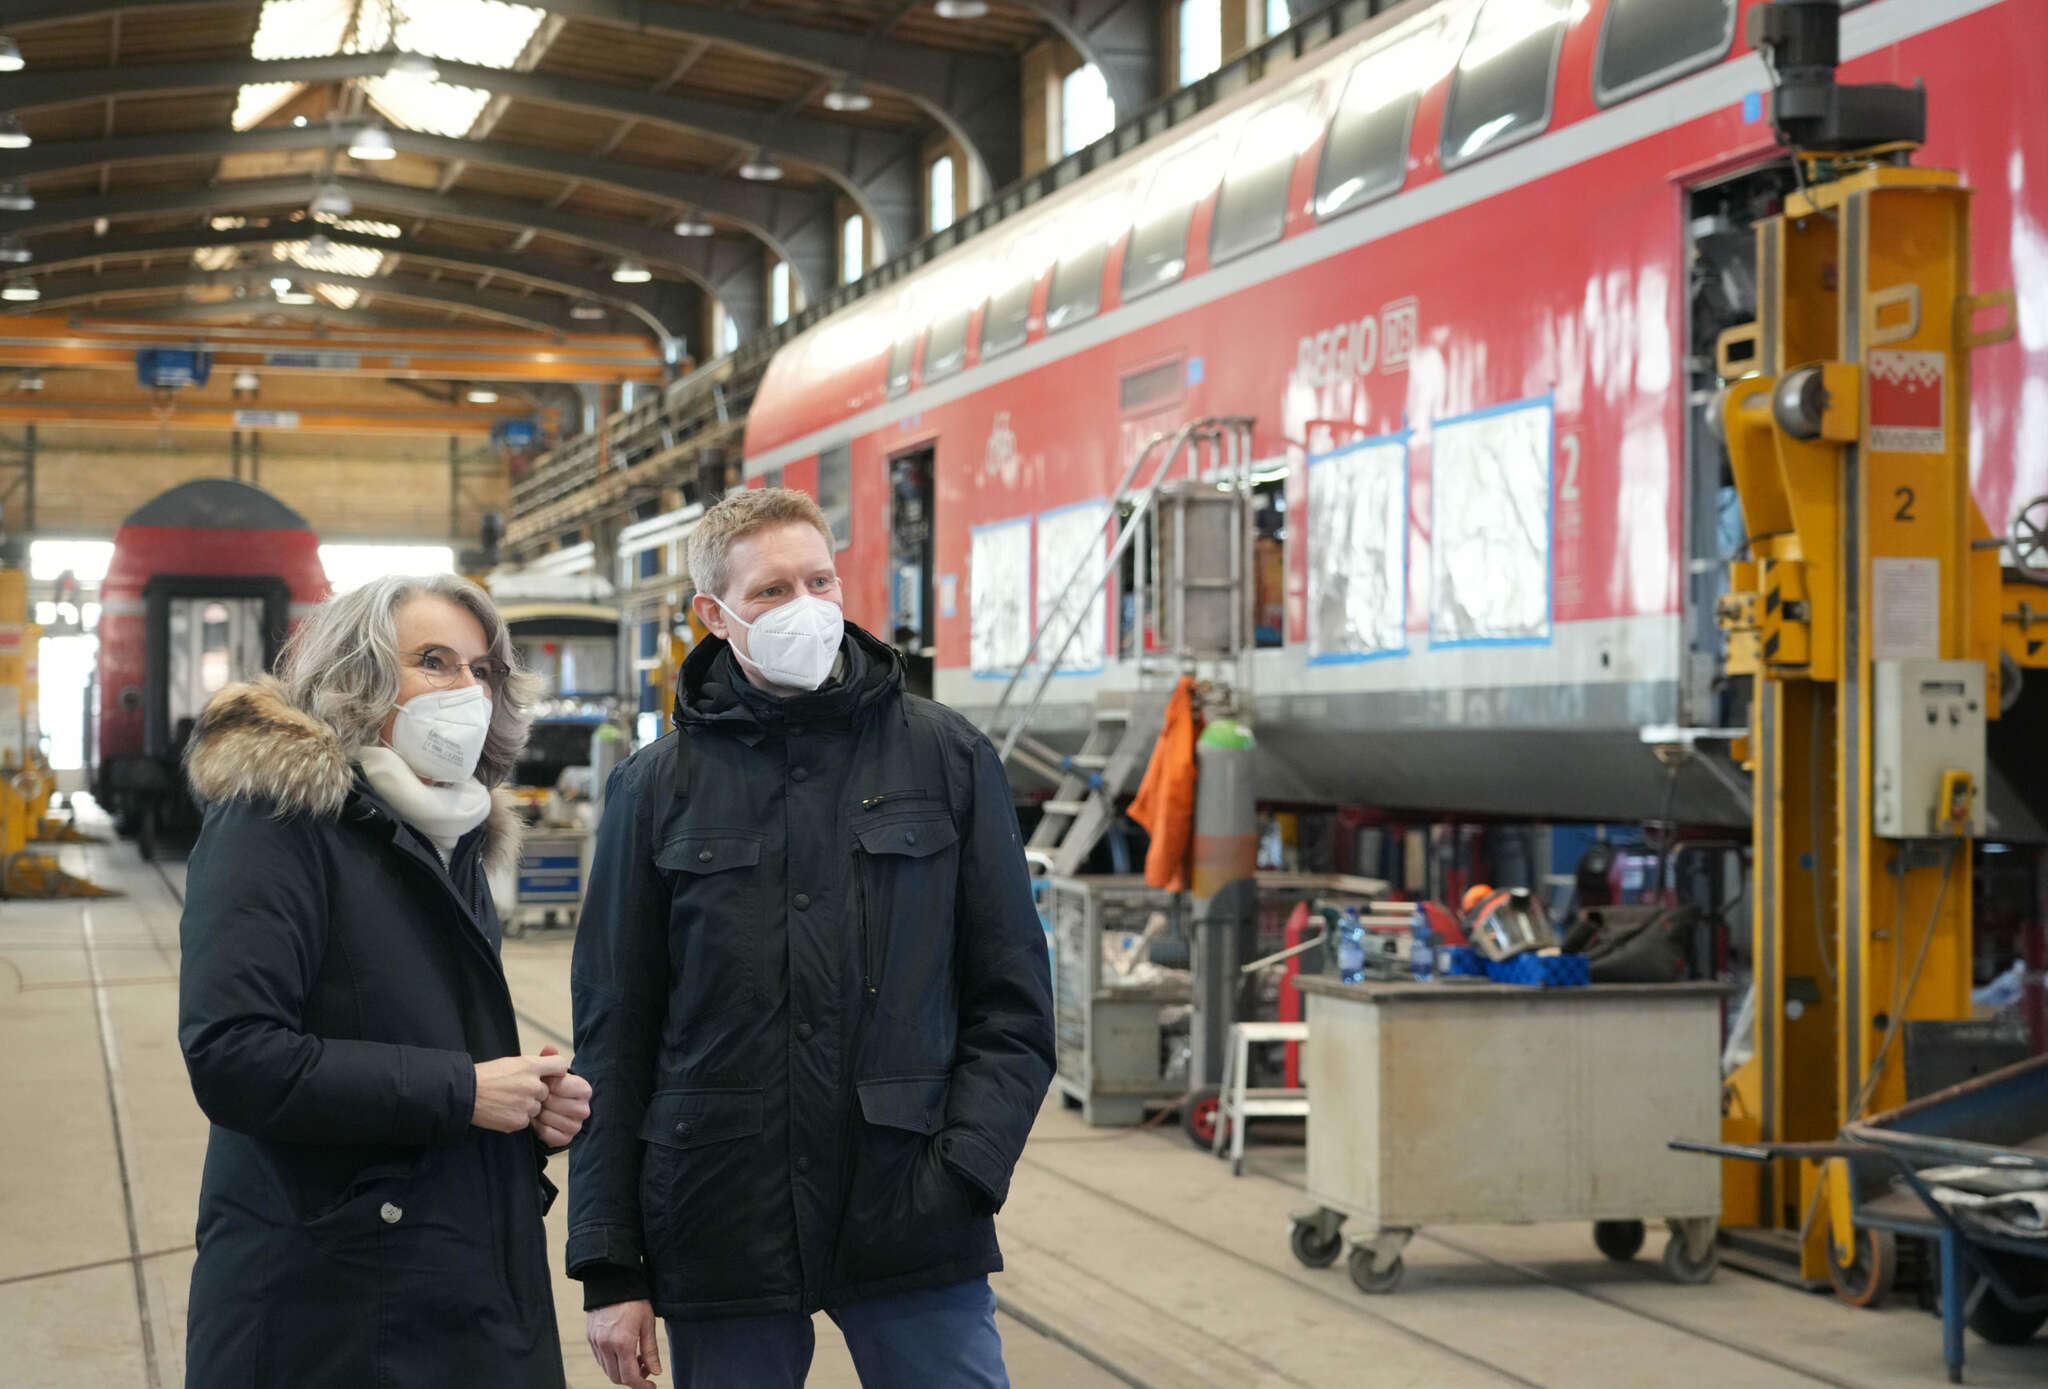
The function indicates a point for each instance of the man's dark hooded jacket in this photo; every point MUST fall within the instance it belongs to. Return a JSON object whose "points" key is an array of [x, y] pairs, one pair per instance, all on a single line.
{"points": [[812, 998]]}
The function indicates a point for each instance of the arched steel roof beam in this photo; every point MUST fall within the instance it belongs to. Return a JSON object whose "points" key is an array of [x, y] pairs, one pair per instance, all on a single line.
{"points": [[712, 261], [63, 290], [879, 170], [1121, 37], [650, 303], [796, 225], [976, 97]]}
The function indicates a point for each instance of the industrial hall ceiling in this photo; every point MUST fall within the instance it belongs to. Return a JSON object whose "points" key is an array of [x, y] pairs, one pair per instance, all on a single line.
{"points": [[595, 173]]}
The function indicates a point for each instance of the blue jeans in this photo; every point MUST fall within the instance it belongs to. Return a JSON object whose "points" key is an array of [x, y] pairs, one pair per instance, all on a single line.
{"points": [[941, 1338]]}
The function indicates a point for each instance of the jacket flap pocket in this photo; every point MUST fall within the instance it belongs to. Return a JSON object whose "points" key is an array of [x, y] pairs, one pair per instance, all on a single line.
{"points": [[912, 838], [709, 851], [917, 1104], [693, 1118]]}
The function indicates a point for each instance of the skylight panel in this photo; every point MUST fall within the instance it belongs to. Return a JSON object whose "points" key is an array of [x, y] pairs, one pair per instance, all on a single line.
{"points": [[341, 296], [484, 33], [361, 225]]}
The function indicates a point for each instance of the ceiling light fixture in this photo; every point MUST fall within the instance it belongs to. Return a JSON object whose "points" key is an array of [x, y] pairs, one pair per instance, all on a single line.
{"points": [[12, 252], [282, 284], [302, 296], [319, 244], [586, 310], [761, 167], [246, 380], [20, 292], [372, 142], [846, 95], [481, 395], [631, 272], [413, 67], [10, 55], [15, 198], [333, 200], [690, 224], [12, 136], [29, 381], [961, 9], [298, 122]]}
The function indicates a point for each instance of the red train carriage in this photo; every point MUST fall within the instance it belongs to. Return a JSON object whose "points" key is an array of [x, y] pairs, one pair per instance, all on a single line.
{"points": [[1466, 267], [203, 587]]}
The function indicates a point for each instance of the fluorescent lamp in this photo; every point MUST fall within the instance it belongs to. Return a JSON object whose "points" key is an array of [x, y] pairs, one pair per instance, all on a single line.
{"points": [[246, 380], [585, 309], [29, 381], [481, 395], [12, 252], [689, 224], [12, 136], [333, 200], [630, 272], [282, 284], [20, 292], [301, 297], [372, 143], [761, 167], [961, 9], [846, 95], [15, 198], [413, 67], [10, 55]]}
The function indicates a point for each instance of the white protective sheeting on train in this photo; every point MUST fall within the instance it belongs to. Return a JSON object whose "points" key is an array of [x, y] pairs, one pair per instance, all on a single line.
{"points": [[1358, 551], [1071, 546], [999, 596], [1490, 532]]}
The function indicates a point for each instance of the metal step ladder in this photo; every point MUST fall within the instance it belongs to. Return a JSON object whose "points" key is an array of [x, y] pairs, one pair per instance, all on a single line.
{"points": [[1183, 513]]}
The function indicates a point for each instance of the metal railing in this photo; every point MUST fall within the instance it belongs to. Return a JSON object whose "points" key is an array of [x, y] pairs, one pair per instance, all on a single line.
{"points": [[1226, 439]]}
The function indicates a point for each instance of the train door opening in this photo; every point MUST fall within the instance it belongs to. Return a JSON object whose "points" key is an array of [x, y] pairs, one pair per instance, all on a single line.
{"points": [[910, 567], [1721, 293]]}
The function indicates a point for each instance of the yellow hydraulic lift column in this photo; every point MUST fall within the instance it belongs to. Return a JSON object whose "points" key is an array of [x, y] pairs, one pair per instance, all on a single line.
{"points": [[1869, 617]]}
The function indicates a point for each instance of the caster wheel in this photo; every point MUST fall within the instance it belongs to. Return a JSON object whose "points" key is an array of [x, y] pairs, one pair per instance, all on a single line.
{"points": [[1619, 1240], [1867, 1278], [1199, 1113], [1311, 1248], [1683, 1268], [1368, 1275]]}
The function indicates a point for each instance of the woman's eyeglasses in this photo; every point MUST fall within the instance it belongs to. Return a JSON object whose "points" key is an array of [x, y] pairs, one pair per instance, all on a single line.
{"points": [[442, 670]]}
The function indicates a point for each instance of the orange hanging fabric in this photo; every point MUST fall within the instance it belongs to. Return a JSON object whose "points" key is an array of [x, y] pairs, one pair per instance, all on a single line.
{"points": [[1165, 803]]}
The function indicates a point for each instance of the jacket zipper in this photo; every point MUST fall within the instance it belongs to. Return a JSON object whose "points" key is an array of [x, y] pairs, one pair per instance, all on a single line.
{"points": [[872, 801], [867, 932]]}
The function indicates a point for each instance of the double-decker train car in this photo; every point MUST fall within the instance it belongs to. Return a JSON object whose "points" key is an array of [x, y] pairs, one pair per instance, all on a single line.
{"points": [[1466, 266], [203, 587]]}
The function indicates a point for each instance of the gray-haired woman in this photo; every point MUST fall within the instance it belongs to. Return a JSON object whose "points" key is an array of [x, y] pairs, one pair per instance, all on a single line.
{"points": [[371, 1207]]}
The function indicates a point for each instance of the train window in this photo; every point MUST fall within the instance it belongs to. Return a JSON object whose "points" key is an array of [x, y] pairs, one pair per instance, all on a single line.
{"points": [[1501, 91], [835, 492], [1157, 253], [1076, 291], [1251, 211], [1645, 43], [1365, 156], [901, 353], [945, 346]]}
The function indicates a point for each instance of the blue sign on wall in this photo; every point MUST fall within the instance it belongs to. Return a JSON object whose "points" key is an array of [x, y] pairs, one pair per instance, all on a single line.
{"points": [[171, 367]]}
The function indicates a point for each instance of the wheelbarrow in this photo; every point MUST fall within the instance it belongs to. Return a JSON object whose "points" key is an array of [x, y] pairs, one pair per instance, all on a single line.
{"points": [[1994, 1282]]}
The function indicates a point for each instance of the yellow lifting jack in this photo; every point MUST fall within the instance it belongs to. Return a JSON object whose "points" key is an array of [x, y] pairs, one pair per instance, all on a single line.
{"points": [[26, 781], [1871, 613]]}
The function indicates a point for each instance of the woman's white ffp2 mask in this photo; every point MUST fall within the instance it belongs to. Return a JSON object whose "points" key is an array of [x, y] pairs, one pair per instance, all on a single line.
{"points": [[441, 733], [795, 644]]}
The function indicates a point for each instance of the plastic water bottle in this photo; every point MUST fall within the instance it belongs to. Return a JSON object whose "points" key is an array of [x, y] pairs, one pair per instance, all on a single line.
{"points": [[1421, 946], [1351, 947]]}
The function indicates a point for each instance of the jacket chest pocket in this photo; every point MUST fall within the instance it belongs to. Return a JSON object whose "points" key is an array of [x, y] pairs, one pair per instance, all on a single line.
{"points": [[715, 916], [906, 869]]}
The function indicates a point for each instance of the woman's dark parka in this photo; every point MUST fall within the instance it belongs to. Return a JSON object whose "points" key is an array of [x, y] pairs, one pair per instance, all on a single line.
{"points": [[339, 985], [812, 995]]}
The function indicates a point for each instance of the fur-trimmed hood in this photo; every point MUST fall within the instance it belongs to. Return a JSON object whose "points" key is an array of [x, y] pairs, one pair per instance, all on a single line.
{"points": [[252, 743]]}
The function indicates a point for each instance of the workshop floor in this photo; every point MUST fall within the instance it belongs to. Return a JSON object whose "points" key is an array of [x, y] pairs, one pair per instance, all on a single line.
{"points": [[1133, 1259]]}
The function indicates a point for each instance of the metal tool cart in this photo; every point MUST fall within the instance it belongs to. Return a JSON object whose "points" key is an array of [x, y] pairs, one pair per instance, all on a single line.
{"points": [[1112, 1060], [1472, 1103]]}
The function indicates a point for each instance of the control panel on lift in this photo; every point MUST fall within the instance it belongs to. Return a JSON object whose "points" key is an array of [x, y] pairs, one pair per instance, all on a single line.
{"points": [[1927, 748]]}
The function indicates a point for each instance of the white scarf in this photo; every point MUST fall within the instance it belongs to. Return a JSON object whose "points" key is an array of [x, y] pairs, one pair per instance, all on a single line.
{"points": [[442, 813]]}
